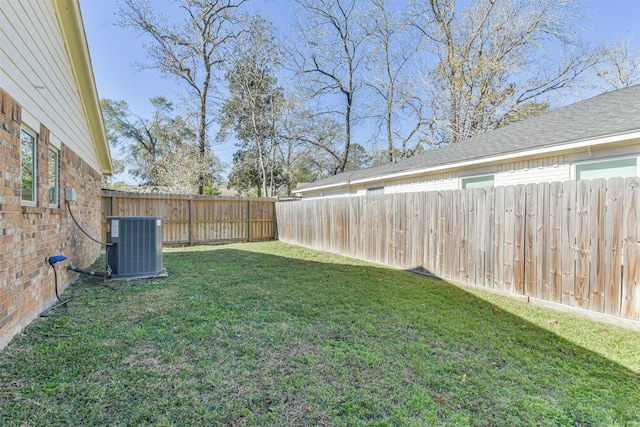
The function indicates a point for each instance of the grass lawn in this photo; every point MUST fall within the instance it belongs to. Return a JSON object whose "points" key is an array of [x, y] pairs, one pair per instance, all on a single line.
{"points": [[271, 334]]}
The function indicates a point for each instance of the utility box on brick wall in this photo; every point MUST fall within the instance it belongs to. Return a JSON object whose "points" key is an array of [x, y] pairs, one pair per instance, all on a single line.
{"points": [[136, 249]]}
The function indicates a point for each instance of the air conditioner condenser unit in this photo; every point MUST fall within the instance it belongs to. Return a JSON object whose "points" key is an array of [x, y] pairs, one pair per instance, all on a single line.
{"points": [[136, 250]]}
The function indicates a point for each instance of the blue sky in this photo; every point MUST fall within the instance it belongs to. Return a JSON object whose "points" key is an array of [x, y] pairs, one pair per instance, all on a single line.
{"points": [[115, 50]]}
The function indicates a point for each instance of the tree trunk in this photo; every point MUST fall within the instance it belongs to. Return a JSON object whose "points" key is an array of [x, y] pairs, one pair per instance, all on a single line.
{"points": [[202, 129]]}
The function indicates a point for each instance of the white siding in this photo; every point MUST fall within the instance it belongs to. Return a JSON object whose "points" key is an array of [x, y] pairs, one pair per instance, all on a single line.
{"points": [[33, 55], [435, 182], [544, 169], [340, 192], [548, 169]]}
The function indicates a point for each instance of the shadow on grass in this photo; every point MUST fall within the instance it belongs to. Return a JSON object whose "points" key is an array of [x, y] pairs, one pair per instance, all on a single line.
{"points": [[271, 334]]}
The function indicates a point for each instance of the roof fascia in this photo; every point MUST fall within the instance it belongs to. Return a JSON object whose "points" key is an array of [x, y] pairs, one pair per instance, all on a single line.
{"points": [[70, 20]]}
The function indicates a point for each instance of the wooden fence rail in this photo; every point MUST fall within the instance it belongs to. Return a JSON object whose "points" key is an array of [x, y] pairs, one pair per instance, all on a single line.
{"points": [[575, 242], [191, 219]]}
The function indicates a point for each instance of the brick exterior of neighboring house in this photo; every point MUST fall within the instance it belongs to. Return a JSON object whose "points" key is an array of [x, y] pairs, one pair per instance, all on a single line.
{"points": [[28, 234]]}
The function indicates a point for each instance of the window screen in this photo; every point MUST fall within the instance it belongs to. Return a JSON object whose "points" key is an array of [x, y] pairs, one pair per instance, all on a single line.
{"points": [[28, 165], [53, 177]]}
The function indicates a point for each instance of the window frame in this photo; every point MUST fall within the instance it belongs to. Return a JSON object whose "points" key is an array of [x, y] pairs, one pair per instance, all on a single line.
{"points": [[55, 188], [575, 166], [34, 165], [464, 179], [375, 191]]}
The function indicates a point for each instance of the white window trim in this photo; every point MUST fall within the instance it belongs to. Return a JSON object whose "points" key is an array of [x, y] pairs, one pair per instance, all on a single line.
{"points": [[57, 184], [574, 165], [462, 178], [34, 135]]}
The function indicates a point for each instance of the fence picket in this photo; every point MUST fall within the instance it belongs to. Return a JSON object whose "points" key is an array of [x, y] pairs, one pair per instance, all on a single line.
{"points": [[596, 258], [583, 243], [555, 242], [498, 239], [509, 239], [519, 239], [471, 237], [631, 250], [568, 242], [530, 240], [613, 247], [489, 255], [542, 239]]}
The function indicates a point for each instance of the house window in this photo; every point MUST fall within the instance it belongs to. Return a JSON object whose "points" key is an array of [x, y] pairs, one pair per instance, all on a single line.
{"points": [[28, 165], [53, 177], [483, 181], [608, 169], [375, 191]]}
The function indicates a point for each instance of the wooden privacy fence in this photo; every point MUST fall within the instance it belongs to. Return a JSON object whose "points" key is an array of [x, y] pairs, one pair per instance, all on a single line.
{"points": [[189, 219], [575, 242]]}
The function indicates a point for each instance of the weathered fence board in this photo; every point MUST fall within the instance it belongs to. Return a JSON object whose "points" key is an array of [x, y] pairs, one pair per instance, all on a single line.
{"points": [[498, 240], [568, 242], [613, 236], [574, 243], [631, 250], [598, 223], [530, 240], [519, 239], [509, 237], [481, 238], [542, 239], [583, 243], [555, 242], [196, 219]]}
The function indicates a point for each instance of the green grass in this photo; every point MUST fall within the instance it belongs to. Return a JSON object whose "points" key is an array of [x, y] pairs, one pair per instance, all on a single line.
{"points": [[272, 334]]}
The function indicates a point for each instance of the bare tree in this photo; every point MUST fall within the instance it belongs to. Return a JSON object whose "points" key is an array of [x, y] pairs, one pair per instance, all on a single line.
{"points": [[254, 105], [320, 136], [491, 57], [330, 55], [189, 50], [298, 157], [392, 69], [620, 67]]}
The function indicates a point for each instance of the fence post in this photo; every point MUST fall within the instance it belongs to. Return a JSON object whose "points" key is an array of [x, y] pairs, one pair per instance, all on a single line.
{"points": [[274, 234], [190, 224], [249, 220]]}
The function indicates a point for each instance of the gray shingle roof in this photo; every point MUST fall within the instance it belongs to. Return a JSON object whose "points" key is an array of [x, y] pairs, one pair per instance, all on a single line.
{"points": [[611, 113]]}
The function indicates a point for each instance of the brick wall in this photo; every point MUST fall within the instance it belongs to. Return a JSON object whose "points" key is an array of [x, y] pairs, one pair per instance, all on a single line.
{"points": [[28, 234]]}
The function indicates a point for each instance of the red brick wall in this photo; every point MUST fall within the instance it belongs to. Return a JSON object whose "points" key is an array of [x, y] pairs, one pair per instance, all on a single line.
{"points": [[28, 234]]}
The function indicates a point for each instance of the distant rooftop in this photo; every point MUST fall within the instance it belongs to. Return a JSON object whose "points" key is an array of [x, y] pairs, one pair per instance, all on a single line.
{"points": [[608, 114]]}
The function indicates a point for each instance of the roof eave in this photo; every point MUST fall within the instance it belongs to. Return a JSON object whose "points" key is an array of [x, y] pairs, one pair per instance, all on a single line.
{"points": [[70, 20]]}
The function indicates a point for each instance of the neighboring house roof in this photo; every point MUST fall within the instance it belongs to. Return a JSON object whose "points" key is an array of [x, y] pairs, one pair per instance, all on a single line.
{"points": [[612, 115], [70, 19]]}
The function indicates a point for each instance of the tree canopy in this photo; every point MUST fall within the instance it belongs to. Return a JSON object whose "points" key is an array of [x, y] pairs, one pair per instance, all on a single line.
{"points": [[355, 83], [161, 150]]}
